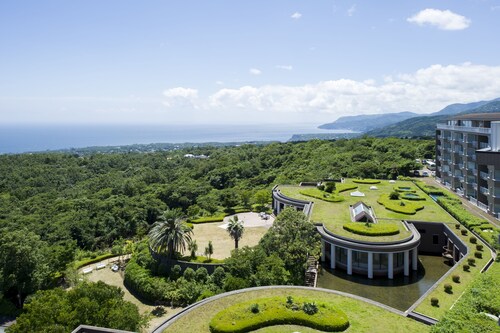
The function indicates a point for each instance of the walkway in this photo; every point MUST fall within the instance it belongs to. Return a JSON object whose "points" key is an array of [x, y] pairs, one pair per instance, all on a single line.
{"points": [[470, 207]]}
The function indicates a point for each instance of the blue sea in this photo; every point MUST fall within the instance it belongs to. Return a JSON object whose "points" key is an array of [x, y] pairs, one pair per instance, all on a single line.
{"points": [[19, 139]]}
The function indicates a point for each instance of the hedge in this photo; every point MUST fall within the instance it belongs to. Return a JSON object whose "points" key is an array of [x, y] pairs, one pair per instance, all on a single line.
{"points": [[84, 262], [366, 181], [208, 219], [404, 189], [374, 229], [409, 208], [342, 187], [322, 195], [272, 311]]}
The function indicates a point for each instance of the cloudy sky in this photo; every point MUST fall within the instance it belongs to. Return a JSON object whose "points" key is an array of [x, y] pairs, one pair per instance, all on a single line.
{"points": [[226, 61]]}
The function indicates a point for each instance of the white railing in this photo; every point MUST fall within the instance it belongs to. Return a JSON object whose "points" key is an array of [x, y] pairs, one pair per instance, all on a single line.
{"points": [[464, 128], [484, 175], [484, 190]]}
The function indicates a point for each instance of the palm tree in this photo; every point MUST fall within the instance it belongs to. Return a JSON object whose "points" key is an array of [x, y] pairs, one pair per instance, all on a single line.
{"points": [[170, 233], [235, 229]]}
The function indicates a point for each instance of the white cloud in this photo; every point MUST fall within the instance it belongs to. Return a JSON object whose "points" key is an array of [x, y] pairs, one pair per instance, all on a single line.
{"points": [[443, 19], [255, 71], [296, 15], [427, 90], [285, 67], [351, 10], [180, 96]]}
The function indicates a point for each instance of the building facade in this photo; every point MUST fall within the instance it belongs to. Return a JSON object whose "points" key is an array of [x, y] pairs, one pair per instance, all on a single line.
{"points": [[468, 158]]}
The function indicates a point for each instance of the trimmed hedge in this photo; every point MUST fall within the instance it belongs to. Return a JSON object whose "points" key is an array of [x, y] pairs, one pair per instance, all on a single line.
{"points": [[404, 189], [342, 187], [366, 181], [84, 262], [239, 318], [322, 195], [208, 219], [409, 208], [375, 229]]}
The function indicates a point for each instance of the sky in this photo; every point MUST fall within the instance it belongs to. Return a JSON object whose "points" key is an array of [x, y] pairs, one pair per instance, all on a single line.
{"points": [[232, 62]]}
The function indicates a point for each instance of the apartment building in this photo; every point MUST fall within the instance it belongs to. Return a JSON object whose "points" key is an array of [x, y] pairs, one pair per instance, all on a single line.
{"points": [[468, 158]]}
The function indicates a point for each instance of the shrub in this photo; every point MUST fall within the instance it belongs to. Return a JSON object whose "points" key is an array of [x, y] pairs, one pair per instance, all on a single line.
{"points": [[434, 301], [366, 181], [201, 275], [448, 288], [209, 219], [410, 208], [321, 187], [310, 308], [377, 229], [330, 187], [394, 195], [466, 268], [175, 272], [479, 247], [189, 274], [473, 240], [464, 232], [254, 308], [471, 261], [457, 226], [237, 318], [478, 255], [456, 278], [289, 300]]}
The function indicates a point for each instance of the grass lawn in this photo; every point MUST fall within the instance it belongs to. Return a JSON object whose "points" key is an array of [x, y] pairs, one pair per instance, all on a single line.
{"points": [[363, 317], [335, 214], [223, 244], [447, 300]]}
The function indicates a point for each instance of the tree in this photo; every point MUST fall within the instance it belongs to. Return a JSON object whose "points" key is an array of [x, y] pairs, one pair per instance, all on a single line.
{"points": [[192, 247], [209, 250], [245, 197], [95, 304], [292, 238], [261, 198], [24, 264], [235, 229], [170, 234]]}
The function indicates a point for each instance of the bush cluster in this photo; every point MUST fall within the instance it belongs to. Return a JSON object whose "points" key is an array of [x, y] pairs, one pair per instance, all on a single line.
{"points": [[448, 288], [278, 311], [456, 278], [410, 208], [374, 229], [434, 301]]}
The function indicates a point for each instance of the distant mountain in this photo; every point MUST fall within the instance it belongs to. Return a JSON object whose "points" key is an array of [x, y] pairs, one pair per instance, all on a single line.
{"points": [[426, 125], [364, 123]]}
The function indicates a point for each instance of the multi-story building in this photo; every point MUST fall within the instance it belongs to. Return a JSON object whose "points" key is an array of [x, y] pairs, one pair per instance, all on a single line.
{"points": [[468, 158]]}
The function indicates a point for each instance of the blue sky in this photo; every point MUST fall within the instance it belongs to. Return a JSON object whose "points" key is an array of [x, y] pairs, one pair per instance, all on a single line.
{"points": [[234, 61]]}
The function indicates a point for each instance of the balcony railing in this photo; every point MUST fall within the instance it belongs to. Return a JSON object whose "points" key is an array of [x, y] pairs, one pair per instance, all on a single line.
{"points": [[484, 175], [484, 190], [464, 128], [483, 145]]}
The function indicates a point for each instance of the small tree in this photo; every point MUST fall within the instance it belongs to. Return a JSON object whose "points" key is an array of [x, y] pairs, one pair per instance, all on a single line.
{"points": [[261, 198], [394, 195], [235, 229], [330, 187], [209, 250], [193, 247]]}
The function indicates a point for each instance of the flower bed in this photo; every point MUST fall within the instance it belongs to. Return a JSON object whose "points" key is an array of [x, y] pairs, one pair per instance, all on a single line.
{"points": [[264, 312]]}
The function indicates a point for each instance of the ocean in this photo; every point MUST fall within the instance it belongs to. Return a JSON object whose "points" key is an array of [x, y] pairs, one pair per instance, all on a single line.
{"points": [[19, 139]]}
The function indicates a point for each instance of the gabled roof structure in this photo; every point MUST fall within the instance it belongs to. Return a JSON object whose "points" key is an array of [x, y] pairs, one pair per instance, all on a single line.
{"points": [[361, 212]]}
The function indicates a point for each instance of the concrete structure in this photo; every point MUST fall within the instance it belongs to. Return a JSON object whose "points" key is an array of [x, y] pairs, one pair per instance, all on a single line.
{"points": [[468, 158]]}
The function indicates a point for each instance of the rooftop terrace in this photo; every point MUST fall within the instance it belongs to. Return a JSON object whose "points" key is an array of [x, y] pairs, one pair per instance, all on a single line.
{"points": [[335, 214]]}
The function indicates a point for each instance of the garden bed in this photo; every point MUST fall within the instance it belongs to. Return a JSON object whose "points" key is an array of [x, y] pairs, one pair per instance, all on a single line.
{"points": [[372, 229]]}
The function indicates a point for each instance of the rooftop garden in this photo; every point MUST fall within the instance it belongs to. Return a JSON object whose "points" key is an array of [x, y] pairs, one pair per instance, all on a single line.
{"points": [[361, 316], [391, 203]]}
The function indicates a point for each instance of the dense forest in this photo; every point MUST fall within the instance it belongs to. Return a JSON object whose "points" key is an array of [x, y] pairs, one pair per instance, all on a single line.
{"points": [[56, 207]]}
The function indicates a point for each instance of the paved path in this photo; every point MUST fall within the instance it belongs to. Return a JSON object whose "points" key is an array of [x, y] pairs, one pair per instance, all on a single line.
{"points": [[470, 207]]}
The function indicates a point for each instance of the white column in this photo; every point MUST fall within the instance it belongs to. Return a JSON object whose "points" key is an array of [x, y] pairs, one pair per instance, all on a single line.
{"points": [[390, 265], [322, 249], [414, 259], [332, 256], [349, 261], [370, 265], [406, 262]]}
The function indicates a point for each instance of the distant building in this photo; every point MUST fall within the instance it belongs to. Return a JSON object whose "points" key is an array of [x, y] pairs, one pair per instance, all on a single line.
{"points": [[468, 158], [196, 156]]}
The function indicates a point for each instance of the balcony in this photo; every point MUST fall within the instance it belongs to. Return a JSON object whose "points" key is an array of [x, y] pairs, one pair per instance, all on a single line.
{"points": [[484, 175], [484, 190], [481, 130], [483, 145]]}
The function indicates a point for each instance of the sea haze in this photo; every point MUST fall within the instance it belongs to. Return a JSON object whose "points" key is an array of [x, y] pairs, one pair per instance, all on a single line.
{"points": [[23, 138]]}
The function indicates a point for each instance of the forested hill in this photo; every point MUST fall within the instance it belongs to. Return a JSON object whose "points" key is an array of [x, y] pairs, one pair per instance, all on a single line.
{"points": [[364, 123], [425, 126]]}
